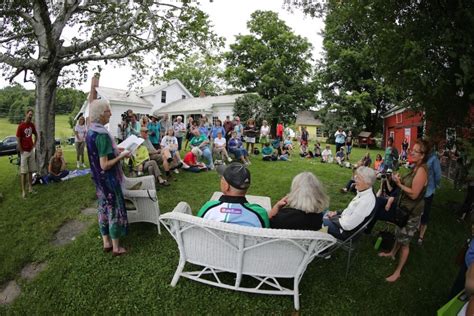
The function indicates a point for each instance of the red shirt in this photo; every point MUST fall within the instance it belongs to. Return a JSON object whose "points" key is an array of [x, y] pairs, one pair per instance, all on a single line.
{"points": [[279, 130], [25, 133], [190, 159]]}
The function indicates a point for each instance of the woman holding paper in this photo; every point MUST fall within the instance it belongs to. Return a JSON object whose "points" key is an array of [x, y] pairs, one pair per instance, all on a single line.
{"points": [[104, 159]]}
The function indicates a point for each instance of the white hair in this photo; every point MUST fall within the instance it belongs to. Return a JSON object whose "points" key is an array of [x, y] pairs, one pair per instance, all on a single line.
{"points": [[97, 108], [307, 194], [196, 151], [367, 174]]}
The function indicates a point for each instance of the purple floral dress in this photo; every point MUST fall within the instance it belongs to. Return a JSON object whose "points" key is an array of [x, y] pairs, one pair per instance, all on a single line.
{"points": [[111, 206]]}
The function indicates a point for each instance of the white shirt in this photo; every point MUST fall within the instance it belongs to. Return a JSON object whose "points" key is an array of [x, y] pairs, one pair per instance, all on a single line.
{"points": [[265, 131], [81, 131], [219, 142], [169, 142], [358, 209]]}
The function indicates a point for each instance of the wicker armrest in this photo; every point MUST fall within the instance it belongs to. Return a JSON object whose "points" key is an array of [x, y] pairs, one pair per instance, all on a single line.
{"points": [[151, 194], [184, 208]]}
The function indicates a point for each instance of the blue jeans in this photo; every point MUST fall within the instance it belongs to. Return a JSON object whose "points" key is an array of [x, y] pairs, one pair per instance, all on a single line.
{"points": [[53, 178], [333, 229], [206, 153]]}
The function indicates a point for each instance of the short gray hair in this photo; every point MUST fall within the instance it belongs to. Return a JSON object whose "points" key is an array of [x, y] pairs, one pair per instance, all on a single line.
{"points": [[196, 151], [97, 108], [308, 194], [367, 174]]}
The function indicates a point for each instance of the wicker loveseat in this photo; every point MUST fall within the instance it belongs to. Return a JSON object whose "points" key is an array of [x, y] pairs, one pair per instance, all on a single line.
{"points": [[263, 254]]}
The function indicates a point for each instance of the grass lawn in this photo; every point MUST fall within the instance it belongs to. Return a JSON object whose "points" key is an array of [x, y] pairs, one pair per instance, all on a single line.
{"points": [[63, 130], [81, 279]]}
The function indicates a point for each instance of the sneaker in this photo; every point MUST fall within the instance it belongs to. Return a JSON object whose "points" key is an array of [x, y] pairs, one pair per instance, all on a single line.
{"points": [[229, 159], [176, 171], [420, 242], [185, 166], [139, 173], [83, 165], [78, 165]]}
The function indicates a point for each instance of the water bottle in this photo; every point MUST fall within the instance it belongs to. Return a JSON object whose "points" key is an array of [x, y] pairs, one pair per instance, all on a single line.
{"points": [[377, 243]]}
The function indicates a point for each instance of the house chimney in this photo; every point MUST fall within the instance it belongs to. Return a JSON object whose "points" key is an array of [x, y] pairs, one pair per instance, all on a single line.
{"points": [[94, 85], [202, 93]]}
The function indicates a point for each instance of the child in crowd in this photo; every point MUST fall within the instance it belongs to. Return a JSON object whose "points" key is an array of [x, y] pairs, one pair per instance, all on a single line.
{"points": [[350, 186], [326, 155], [378, 164], [284, 155], [304, 152], [317, 150], [340, 157], [268, 153], [276, 144], [288, 144]]}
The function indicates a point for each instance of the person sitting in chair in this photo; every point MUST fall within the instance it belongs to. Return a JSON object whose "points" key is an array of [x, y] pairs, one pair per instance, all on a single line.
{"points": [[340, 225], [232, 206]]}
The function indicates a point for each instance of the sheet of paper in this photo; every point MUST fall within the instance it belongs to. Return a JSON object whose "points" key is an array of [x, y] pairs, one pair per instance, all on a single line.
{"points": [[131, 143]]}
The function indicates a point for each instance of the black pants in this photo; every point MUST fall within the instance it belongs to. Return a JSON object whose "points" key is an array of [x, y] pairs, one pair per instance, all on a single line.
{"points": [[381, 213], [467, 204]]}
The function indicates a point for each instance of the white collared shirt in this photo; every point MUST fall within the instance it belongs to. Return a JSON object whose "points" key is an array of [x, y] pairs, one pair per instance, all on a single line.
{"points": [[358, 209]]}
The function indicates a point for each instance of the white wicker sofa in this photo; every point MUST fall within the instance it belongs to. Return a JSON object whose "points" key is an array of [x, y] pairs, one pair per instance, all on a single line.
{"points": [[263, 254]]}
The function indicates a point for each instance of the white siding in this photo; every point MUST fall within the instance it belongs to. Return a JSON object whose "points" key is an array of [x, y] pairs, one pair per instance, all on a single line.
{"points": [[222, 111], [173, 92]]}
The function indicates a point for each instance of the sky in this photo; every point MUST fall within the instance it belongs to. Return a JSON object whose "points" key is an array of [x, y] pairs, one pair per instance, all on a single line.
{"points": [[229, 18]]}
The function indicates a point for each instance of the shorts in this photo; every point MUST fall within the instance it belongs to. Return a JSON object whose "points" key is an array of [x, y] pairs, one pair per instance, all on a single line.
{"points": [[263, 139], [405, 234], [250, 140], [28, 162], [348, 149]]}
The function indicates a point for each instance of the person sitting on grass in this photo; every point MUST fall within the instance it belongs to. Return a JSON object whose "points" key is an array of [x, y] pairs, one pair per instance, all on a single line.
{"points": [[236, 148], [350, 186], [268, 153], [340, 157], [276, 144], [284, 154], [219, 147], [378, 164], [232, 207], [326, 155], [341, 225], [191, 161], [303, 207], [202, 142], [317, 150], [288, 144], [57, 167], [365, 161]]}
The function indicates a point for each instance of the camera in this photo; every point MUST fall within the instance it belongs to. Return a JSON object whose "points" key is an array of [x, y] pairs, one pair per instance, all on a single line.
{"points": [[383, 176], [125, 117]]}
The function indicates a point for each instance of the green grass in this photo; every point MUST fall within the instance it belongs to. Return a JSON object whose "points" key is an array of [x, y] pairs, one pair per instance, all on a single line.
{"points": [[80, 279], [63, 130]]}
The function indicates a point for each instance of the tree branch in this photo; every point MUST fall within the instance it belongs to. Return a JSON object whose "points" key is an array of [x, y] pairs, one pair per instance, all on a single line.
{"points": [[19, 62], [120, 55]]}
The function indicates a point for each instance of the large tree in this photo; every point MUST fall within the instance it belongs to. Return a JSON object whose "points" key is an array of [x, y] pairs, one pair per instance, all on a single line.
{"points": [[198, 73], [274, 62], [51, 42], [349, 81], [423, 49]]}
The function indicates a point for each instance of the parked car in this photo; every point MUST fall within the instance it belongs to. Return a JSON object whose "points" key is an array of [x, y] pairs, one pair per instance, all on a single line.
{"points": [[9, 143], [8, 146]]}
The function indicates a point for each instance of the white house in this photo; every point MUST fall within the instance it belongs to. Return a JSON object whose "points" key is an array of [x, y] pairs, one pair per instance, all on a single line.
{"points": [[169, 97]]}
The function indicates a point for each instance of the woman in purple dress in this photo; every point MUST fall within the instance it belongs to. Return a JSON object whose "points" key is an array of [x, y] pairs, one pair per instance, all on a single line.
{"points": [[104, 159]]}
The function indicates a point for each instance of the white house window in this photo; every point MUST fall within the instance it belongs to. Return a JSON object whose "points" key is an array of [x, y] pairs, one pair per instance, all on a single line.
{"points": [[319, 132], [183, 96], [163, 96], [214, 120], [399, 117]]}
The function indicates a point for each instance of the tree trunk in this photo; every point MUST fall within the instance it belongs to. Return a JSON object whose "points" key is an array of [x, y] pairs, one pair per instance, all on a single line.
{"points": [[46, 84]]}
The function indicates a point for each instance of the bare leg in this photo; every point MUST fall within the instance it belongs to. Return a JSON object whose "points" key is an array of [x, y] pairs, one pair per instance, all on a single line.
{"points": [[106, 241], [30, 181], [422, 229], [116, 247], [392, 253], [252, 145], [247, 146], [405, 251], [23, 184]]}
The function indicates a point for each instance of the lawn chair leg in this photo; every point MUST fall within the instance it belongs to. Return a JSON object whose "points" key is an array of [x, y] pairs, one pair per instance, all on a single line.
{"points": [[349, 253], [296, 295], [177, 274]]}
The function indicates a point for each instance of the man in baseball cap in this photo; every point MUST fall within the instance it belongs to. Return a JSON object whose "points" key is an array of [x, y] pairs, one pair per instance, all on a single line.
{"points": [[232, 206]]}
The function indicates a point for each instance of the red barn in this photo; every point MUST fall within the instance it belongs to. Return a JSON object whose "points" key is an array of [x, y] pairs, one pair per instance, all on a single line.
{"points": [[400, 123]]}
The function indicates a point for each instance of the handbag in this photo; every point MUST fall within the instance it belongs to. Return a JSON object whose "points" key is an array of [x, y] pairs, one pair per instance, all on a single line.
{"points": [[402, 214]]}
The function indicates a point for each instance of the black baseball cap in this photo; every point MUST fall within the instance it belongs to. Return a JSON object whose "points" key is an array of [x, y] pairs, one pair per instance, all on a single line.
{"points": [[235, 174]]}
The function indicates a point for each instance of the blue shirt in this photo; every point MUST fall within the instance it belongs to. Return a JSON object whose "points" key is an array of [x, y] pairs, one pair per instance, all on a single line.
{"points": [[154, 128], [203, 131], [434, 175], [217, 129]]}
